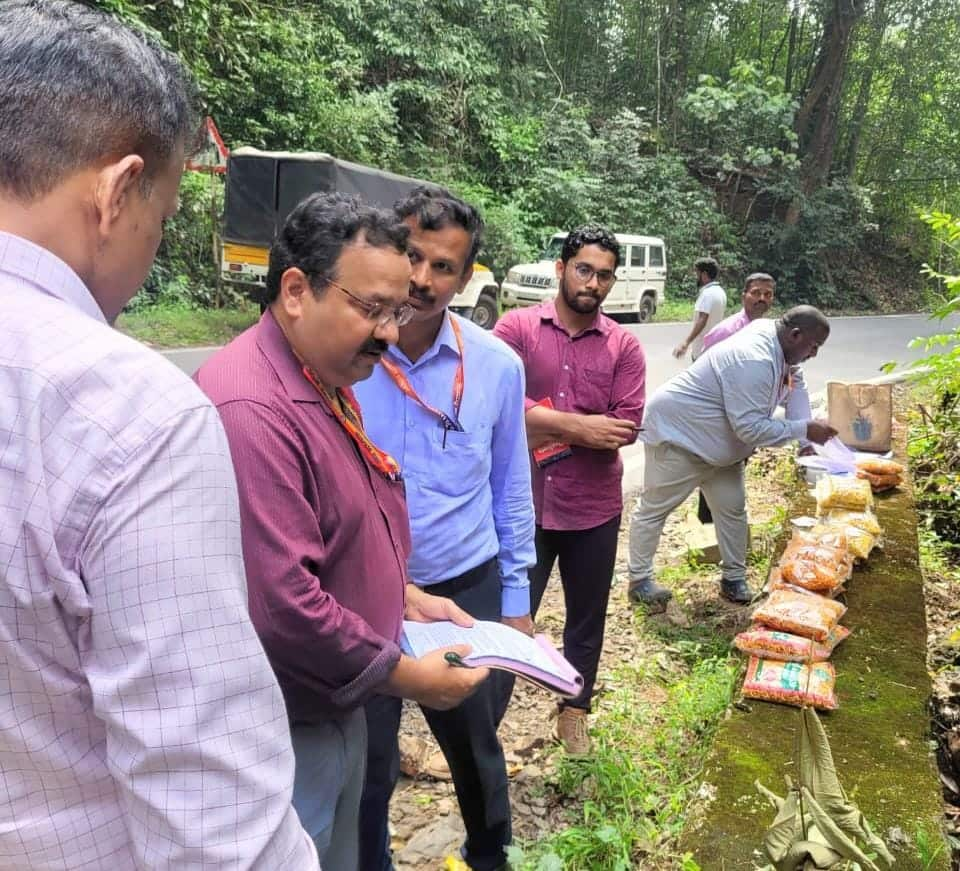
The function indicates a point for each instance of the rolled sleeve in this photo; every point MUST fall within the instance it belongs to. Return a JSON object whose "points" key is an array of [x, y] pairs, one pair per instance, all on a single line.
{"points": [[512, 498], [309, 637]]}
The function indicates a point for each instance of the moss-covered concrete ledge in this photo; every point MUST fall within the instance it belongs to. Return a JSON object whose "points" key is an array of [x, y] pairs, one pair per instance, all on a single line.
{"points": [[879, 735]]}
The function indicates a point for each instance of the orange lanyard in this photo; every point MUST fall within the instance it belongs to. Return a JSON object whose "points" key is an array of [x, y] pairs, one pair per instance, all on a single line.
{"points": [[346, 410], [448, 423]]}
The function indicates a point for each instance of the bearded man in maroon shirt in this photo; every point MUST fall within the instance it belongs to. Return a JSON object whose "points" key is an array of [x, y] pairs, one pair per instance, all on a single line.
{"points": [[593, 373]]}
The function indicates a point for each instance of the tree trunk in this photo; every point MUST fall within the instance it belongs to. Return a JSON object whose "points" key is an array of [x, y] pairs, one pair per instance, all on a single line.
{"points": [[816, 122], [877, 28]]}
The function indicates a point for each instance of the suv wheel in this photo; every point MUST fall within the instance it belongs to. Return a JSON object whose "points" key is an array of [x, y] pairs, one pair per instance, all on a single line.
{"points": [[485, 312], [647, 307]]}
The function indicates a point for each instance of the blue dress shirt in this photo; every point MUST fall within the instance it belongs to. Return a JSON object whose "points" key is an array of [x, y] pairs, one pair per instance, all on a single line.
{"points": [[469, 495]]}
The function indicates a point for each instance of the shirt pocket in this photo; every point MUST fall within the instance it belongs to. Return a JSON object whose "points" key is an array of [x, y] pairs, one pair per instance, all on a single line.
{"points": [[462, 459], [595, 390]]}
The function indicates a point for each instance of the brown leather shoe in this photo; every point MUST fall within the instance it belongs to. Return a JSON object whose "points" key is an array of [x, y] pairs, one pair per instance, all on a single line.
{"points": [[571, 731]]}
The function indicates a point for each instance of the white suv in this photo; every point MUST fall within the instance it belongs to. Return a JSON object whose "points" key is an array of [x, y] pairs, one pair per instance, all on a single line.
{"points": [[638, 290], [478, 300]]}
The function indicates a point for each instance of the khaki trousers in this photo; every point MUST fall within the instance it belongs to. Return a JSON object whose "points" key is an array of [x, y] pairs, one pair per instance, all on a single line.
{"points": [[670, 475]]}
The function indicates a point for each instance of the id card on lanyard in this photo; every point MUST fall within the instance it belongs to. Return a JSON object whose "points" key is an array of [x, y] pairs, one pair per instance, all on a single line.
{"points": [[400, 379]]}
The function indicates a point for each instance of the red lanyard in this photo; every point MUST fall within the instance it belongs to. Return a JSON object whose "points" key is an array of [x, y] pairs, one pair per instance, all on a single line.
{"points": [[401, 380], [346, 410]]}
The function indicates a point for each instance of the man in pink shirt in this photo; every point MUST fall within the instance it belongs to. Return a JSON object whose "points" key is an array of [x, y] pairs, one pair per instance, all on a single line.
{"points": [[757, 299], [593, 373]]}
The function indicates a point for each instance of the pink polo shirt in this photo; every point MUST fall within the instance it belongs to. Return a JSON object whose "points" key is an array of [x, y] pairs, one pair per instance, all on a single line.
{"points": [[600, 370], [726, 328]]}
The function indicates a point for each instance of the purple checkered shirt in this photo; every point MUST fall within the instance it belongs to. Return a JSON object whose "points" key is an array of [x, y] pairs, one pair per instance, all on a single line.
{"points": [[140, 723]]}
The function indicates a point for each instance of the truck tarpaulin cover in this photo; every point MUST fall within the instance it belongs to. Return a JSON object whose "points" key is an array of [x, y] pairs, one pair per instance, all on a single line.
{"points": [[264, 187]]}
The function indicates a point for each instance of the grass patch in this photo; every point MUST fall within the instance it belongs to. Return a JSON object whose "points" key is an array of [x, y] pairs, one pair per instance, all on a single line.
{"points": [[177, 325], [629, 798]]}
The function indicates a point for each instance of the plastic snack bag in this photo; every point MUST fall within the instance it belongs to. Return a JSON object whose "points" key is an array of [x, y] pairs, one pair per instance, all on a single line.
{"points": [[767, 643], [880, 483], [865, 520], [792, 683], [833, 491], [859, 541], [800, 613], [879, 466], [811, 575]]}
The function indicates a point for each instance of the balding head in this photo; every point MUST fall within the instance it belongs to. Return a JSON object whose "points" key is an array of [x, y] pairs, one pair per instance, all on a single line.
{"points": [[801, 331]]}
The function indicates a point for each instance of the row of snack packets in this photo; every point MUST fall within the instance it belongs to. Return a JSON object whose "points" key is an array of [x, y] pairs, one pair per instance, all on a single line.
{"points": [[798, 626]]}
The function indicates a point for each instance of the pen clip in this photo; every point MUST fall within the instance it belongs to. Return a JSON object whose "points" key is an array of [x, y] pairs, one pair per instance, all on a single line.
{"points": [[453, 659]]}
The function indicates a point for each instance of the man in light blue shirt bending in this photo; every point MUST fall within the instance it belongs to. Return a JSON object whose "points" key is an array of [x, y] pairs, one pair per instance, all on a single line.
{"points": [[448, 403]]}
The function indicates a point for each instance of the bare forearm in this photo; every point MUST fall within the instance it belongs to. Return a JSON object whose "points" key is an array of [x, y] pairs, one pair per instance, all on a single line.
{"points": [[545, 425], [699, 322]]}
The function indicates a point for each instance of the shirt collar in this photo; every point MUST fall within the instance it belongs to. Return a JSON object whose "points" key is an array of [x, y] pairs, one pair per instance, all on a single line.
{"points": [[47, 272], [275, 347], [601, 323], [445, 339]]}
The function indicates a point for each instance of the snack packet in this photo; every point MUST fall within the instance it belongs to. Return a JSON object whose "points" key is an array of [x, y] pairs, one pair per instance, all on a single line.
{"points": [[879, 483], [859, 541], [879, 466], [865, 520], [766, 643], [833, 491], [800, 613], [792, 683], [811, 575]]}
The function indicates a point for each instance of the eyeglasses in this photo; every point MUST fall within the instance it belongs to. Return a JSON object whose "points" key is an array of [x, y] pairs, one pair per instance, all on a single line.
{"points": [[377, 311], [585, 272]]}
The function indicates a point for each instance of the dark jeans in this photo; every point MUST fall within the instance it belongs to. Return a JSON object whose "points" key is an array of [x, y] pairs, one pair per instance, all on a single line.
{"points": [[467, 735], [587, 558]]}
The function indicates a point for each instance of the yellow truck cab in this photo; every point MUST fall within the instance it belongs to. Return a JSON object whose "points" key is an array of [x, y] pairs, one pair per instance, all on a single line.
{"points": [[262, 188]]}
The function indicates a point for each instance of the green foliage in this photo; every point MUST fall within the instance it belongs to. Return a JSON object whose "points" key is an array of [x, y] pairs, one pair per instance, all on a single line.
{"points": [[637, 783], [744, 123], [934, 445]]}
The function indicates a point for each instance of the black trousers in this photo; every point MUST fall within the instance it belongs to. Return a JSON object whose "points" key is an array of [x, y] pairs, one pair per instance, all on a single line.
{"points": [[467, 735], [587, 558]]}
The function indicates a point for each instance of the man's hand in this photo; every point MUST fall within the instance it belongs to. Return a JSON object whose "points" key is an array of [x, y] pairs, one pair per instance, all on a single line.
{"points": [[681, 350], [605, 433], [819, 431], [522, 624], [806, 451], [421, 607], [432, 681]]}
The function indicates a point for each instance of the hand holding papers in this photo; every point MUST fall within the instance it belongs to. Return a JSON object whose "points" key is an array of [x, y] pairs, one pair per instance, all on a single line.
{"points": [[497, 646]]}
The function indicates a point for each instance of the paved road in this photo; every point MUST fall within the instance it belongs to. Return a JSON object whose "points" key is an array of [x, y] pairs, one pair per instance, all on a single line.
{"points": [[857, 348]]}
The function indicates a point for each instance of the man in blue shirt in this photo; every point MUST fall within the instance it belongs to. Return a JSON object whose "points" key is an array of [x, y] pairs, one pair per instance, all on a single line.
{"points": [[448, 403]]}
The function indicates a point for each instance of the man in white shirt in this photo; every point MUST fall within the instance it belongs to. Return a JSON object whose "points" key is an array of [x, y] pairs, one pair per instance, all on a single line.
{"points": [[702, 424], [708, 310], [142, 726]]}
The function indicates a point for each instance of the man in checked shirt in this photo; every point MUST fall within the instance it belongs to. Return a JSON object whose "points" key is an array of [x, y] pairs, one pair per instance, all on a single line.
{"points": [[140, 723], [593, 372]]}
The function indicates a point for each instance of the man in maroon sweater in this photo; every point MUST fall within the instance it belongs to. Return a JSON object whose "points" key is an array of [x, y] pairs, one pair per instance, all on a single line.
{"points": [[324, 522]]}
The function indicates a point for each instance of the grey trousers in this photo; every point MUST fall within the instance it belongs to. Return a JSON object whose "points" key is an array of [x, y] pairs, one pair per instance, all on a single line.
{"points": [[670, 475], [330, 761]]}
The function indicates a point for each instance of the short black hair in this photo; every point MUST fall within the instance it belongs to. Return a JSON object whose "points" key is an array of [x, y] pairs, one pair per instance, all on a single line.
{"points": [[708, 265], [805, 318], [436, 208], [590, 234], [76, 85], [757, 277], [319, 228]]}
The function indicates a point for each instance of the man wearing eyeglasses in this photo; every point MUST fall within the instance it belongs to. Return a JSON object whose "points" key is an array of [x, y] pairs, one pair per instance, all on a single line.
{"points": [[585, 396], [448, 403], [323, 518]]}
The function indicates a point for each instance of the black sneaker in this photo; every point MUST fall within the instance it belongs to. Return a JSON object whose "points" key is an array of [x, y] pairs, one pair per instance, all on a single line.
{"points": [[649, 594]]}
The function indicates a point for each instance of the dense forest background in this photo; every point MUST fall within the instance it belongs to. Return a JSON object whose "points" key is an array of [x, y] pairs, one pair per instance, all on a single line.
{"points": [[803, 137]]}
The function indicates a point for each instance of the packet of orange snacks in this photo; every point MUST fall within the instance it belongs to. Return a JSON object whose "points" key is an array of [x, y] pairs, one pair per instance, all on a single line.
{"points": [[811, 575], [766, 643], [792, 683], [800, 613]]}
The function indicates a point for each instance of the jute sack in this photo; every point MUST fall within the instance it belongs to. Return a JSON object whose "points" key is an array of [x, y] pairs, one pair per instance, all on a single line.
{"points": [[862, 414]]}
